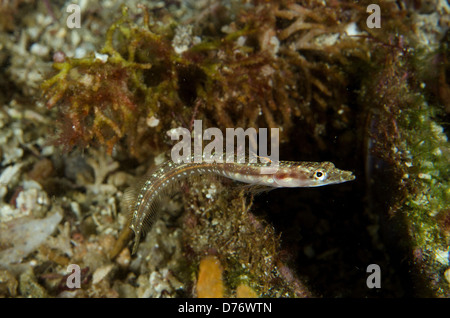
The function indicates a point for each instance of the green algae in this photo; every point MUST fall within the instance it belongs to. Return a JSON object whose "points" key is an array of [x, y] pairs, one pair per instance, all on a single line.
{"points": [[408, 137]]}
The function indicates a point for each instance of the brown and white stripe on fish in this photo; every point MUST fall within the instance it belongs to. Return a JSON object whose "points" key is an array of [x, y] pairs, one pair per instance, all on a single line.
{"points": [[141, 200]]}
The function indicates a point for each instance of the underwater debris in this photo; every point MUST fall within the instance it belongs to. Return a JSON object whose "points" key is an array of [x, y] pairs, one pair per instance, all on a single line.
{"points": [[210, 281], [244, 291], [8, 283], [29, 286], [25, 237]]}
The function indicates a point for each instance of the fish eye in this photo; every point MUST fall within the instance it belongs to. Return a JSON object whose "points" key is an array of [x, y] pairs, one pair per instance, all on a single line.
{"points": [[320, 175]]}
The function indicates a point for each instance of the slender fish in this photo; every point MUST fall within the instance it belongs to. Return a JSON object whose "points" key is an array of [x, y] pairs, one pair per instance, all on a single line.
{"points": [[142, 200]]}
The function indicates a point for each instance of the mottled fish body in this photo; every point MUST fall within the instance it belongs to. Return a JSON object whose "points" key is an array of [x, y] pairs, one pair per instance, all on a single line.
{"points": [[141, 200]]}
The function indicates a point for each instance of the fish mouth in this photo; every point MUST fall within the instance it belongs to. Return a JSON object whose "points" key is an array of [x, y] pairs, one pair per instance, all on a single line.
{"points": [[347, 176]]}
